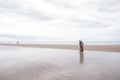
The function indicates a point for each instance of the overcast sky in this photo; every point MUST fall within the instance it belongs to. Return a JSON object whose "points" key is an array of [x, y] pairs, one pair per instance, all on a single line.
{"points": [[64, 20]]}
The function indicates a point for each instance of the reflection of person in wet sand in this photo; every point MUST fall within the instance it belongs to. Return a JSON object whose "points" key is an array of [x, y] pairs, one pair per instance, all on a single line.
{"points": [[81, 57], [81, 46]]}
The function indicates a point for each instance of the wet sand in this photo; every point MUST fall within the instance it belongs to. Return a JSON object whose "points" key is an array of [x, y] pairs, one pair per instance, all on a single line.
{"points": [[22, 63], [110, 48]]}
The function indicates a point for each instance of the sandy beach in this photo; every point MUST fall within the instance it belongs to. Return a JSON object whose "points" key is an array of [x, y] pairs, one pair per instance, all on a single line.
{"points": [[59, 62], [28, 63], [109, 48]]}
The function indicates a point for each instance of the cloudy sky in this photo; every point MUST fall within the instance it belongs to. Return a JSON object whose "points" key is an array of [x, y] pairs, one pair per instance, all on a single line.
{"points": [[60, 20]]}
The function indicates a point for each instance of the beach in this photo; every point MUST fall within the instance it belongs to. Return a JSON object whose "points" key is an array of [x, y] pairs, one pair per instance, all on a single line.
{"points": [[58, 62], [109, 48]]}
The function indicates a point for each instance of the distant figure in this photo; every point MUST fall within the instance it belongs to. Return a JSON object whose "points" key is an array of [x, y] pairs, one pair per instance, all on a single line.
{"points": [[81, 46], [17, 42]]}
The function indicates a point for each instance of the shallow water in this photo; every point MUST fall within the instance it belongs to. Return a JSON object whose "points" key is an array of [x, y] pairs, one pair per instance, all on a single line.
{"points": [[56, 64]]}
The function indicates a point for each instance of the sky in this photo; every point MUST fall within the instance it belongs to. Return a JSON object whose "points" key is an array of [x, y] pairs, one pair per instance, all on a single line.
{"points": [[59, 20]]}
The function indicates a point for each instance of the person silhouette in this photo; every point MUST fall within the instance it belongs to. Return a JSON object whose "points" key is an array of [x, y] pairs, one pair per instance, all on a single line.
{"points": [[81, 45]]}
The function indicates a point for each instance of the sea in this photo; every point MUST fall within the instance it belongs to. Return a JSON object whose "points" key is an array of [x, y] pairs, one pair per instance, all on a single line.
{"points": [[65, 42]]}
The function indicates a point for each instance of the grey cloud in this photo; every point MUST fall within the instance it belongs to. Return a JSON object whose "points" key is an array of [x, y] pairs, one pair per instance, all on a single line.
{"points": [[69, 7], [59, 4], [92, 25], [34, 14], [9, 4], [23, 37], [89, 24], [109, 6], [14, 36], [16, 8]]}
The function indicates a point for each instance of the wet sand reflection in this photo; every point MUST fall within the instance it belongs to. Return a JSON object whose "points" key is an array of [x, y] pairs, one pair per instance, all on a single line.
{"points": [[81, 57]]}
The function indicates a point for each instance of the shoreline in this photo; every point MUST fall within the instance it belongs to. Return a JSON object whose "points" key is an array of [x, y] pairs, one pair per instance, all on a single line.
{"points": [[108, 48]]}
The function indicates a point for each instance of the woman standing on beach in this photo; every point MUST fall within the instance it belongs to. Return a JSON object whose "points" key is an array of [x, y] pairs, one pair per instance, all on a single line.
{"points": [[81, 46]]}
